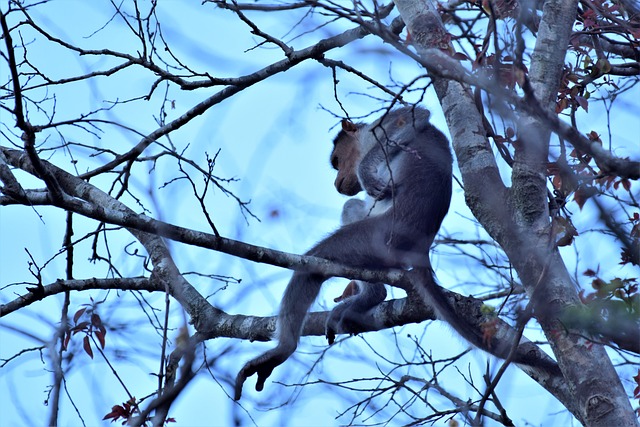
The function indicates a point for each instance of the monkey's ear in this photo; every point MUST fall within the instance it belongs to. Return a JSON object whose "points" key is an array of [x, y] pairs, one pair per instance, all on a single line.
{"points": [[348, 126]]}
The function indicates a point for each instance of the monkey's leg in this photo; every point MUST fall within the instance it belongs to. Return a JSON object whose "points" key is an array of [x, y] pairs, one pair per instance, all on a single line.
{"points": [[360, 244], [351, 315], [301, 291]]}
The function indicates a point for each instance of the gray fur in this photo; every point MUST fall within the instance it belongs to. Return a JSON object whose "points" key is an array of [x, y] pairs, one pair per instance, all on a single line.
{"points": [[406, 170], [350, 315]]}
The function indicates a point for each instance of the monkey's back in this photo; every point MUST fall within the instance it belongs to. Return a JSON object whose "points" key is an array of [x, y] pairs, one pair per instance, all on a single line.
{"points": [[422, 188]]}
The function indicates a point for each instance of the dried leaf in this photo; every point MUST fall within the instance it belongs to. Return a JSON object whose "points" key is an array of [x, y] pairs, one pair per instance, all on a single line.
{"points": [[80, 327], [590, 273], [65, 342], [582, 101], [583, 194]]}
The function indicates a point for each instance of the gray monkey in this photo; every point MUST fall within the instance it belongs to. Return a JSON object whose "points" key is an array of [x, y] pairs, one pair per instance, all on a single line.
{"points": [[378, 148], [405, 165]]}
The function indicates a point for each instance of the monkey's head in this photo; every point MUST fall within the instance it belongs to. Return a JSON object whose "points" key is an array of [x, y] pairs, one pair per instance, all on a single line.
{"points": [[345, 158]]}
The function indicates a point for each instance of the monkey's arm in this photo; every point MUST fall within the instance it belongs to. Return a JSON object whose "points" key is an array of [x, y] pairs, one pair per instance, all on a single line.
{"points": [[375, 171]]}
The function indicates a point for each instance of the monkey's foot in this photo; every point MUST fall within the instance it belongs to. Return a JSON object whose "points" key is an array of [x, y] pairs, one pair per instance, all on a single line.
{"points": [[263, 366], [344, 319]]}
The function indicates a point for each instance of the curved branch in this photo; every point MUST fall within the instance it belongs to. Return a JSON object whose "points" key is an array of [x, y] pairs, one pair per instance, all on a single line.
{"points": [[214, 322], [389, 314], [60, 286]]}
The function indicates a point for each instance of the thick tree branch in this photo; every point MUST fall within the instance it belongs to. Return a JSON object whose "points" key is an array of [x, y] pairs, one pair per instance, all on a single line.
{"points": [[596, 404], [112, 211], [389, 314]]}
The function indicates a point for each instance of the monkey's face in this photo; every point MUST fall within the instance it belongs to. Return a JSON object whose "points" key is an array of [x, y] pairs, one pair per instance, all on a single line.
{"points": [[344, 158]]}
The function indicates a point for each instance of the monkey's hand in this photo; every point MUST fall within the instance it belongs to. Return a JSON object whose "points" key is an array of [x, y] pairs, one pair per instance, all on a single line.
{"points": [[353, 210], [262, 365], [380, 190]]}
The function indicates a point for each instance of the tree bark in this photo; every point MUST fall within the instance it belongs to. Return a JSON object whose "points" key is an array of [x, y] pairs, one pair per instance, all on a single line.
{"points": [[518, 218]]}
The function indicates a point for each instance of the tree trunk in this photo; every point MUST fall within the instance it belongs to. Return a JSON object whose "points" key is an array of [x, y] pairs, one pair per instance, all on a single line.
{"points": [[518, 218]]}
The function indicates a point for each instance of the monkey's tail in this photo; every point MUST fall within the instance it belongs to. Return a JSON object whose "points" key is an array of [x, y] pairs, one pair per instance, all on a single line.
{"points": [[487, 332]]}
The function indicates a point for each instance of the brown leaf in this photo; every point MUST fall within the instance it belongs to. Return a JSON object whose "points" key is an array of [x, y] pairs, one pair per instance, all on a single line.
{"points": [[564, 231], [583, 193], [350, 290], [80, 327], [96, 320], [86, 344], [78, 314], [101, 340], [590, 273], [117, 411], [65, 342]]}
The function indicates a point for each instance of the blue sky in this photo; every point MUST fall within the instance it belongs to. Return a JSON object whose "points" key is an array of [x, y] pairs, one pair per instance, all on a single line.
{"points": [[275, 137]]}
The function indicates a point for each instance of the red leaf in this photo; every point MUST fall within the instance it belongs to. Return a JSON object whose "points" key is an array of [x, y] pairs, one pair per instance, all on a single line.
{"points": [[593, 136], [96, 320], [100, 336], [561, 105], [460, 56], [87, 346], [65, 342], [117, 411], [582, 194], [80, 327], [78, 314]]}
